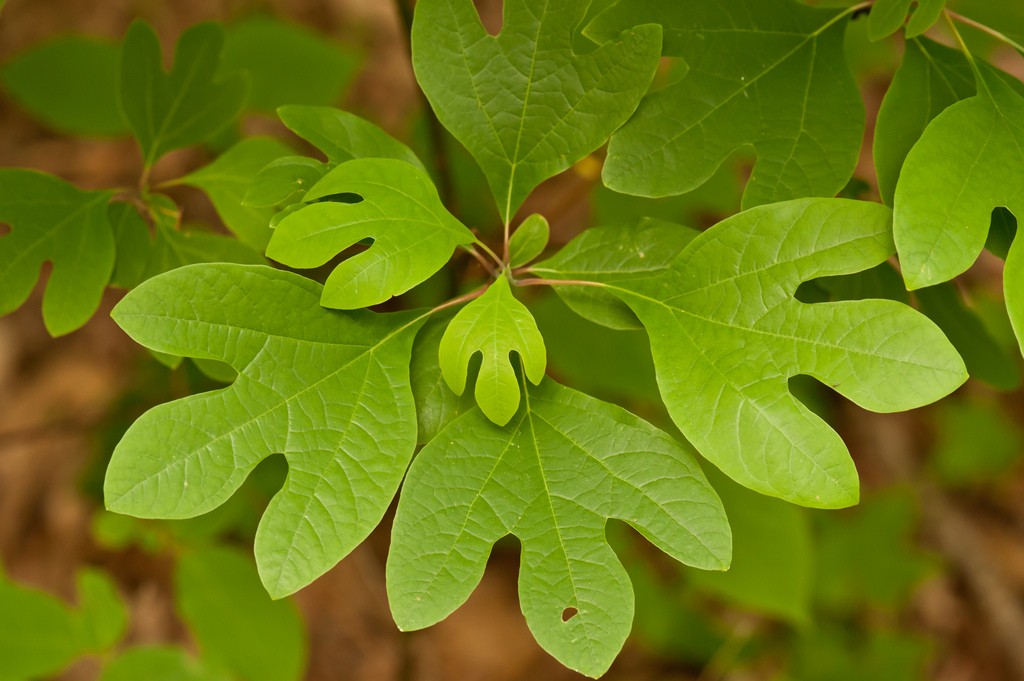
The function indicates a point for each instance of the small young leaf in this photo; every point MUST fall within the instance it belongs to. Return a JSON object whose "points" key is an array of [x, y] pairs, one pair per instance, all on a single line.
{"points": [[887, 16], [101, 615], [523, 103], [142, 255], [287, 64], [233, 620], [70, 84], [159, 663], [53, 221], [167, 111], [552, 477], [727, 335], [329, 390], [528, 241], [647, 246], [226, 181], [969, 161], [495, 325], [767, 73], [398, 207]]}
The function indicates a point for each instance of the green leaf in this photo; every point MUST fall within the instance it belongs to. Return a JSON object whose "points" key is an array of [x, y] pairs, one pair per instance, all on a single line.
{"points": [[866, 556], [167, 111], [529, 240], [284, 181], [237, 626], [522, 102], [52, 221], [727, 335], [286, 63], [887, 16], [398, 207], [143, 254], [766, 73], [773, 555], [931, 78], [985, 358], [69, 83], [159, 663], [828, 653], [552, 477], [436, 404], [969, 161], [976, 442], [40, 635], [635, 250], [329, 390], [227, 180], [343, 136], [495, 325]]}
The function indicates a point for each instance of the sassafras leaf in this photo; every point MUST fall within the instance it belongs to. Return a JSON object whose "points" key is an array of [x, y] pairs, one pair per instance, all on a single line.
{"points": [[727, 334], [523, 103], [53, 221], [552, 477], [767, 73], [495, 325], [397, 206], [329, 390], [887, 16]]}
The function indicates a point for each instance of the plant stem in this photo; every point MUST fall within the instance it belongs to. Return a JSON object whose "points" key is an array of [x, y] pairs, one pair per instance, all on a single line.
{"points": [[484, 262], [967, 21], [557, 282], [458, 301]]}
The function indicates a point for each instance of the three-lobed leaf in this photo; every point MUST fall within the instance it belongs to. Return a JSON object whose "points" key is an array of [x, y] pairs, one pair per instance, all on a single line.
{"points": [[188, 105], [328, 390], [494, 325], [727, 334], [522, 102], [53, 221], [552, 477], [766, 73], [396, 205]]}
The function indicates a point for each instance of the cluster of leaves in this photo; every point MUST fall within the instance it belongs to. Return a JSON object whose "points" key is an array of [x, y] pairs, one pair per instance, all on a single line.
{"points": [[797, 284]]}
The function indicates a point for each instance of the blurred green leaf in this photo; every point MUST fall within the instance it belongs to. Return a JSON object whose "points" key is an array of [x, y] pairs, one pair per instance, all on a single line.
{"points": [[286, 63], [773, 557], [829, 654], [867, 555], [236, 624], [976, 442], [159, 664], [436, 404], [226, 181], [70, 84], [53, 221], [168, 111]]}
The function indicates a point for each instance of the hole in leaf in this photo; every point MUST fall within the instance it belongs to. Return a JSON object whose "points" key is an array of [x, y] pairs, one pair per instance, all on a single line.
{"points": [[341, 197], [492, 13], [569, 613]]}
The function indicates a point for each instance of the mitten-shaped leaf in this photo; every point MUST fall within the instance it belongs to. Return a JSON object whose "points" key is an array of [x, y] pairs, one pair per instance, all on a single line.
{"points": [[969, 161], [495, 325], [727, 334], [397, 206], [227, 180], [53, 221], [767, 73], [552, 477], [329, 390], [168, 111], [522, 102], [887, 16]]}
